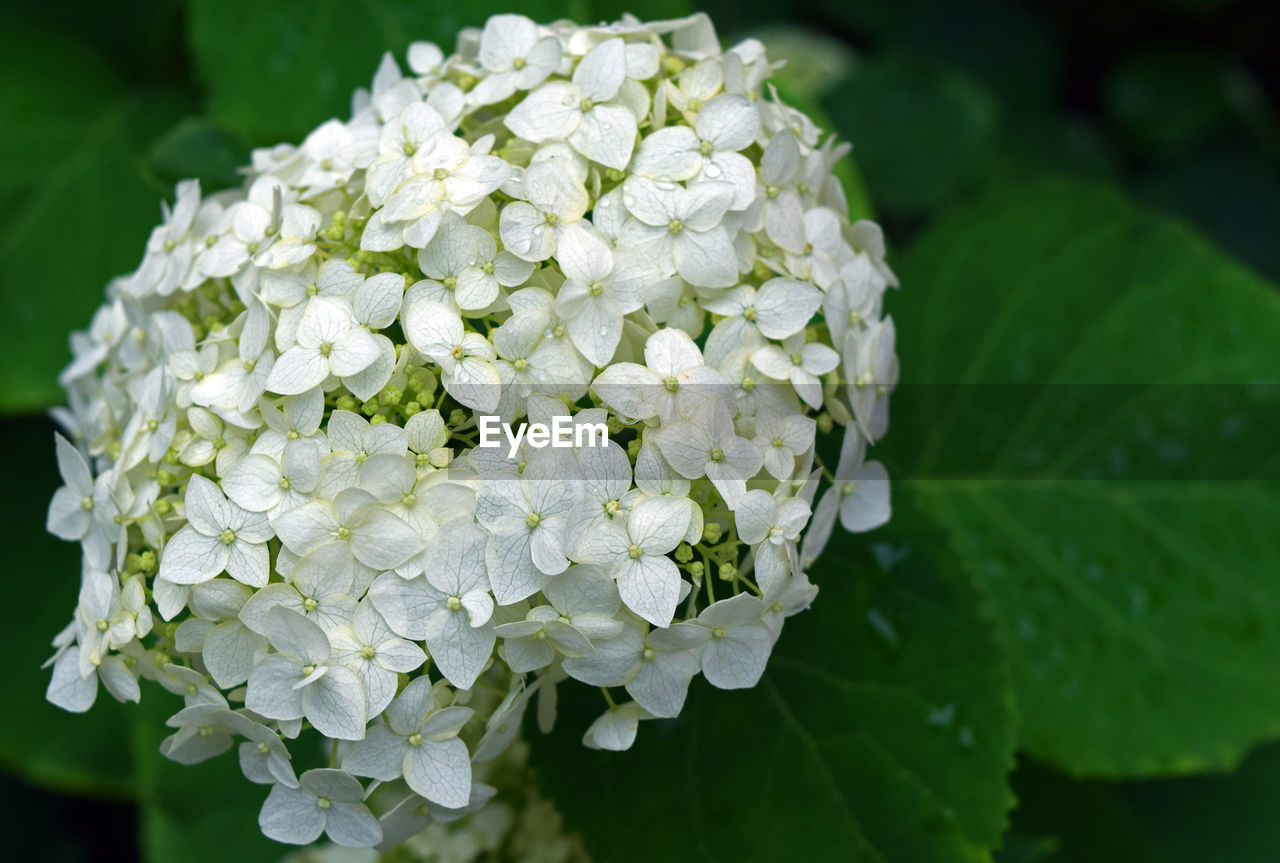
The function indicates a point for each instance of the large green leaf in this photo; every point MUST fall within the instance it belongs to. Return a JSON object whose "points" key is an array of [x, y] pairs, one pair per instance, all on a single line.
{"points": [[881, 731], [921, 129], [76, 207], [40, 742], [1091, 414], [274, 71], [1184, 820]]}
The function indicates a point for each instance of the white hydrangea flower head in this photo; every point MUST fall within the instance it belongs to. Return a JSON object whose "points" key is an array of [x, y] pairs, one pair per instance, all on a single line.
{"points": [[276, 458]]}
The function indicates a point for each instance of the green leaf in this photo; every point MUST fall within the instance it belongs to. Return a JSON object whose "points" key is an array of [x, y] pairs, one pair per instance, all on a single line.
{"points": [[920, 129], [193, 813], [1164, 101], [1079, 821], [197, 148], [1186, 820], [76, 208], [1227, 817], [275, 71], [1083, 414], [39, 742], [881, 731]]}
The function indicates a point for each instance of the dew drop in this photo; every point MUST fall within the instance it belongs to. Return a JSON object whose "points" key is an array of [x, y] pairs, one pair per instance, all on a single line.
{"points": [[883, 628], [712, 170], [942, 717]]}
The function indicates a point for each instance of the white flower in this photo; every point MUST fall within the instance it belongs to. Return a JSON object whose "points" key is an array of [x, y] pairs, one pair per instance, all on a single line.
{"points": [[70, 510], [354, 439], [783, 439], [325, 801], [771, 528], [526, 521], [800, 362], [682, 230], [355, 521], [319, 588], [780, 308], [376, 654], [634, 553], [274, 425], [782, 212], [673, 382], [710, 150], [449, 607], [871, 368], [736, 653], [261, 483], [515, 56], [581, 111], [219, 536], [583, 602], [465, 359], [456, 276], [446, 176], [707, 445], [553, 202], [616, 728], [655, 667], [599, 290], [299, 680], [329, 341], [862, 487], [419, 742]]}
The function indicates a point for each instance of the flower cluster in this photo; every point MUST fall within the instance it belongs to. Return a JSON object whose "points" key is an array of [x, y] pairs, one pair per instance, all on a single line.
{"points": [[274, 464]]}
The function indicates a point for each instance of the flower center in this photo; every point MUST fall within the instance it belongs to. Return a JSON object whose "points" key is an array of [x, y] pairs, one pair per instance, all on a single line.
{"points": [[228, 536]]}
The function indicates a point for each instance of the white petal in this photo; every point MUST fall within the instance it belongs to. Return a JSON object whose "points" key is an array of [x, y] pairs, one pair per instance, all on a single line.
{"points": [[291, 815], [335, 704], [650, 587], [551, 112], [441, 772], [607, 134], [190, 557], [459, 650]]}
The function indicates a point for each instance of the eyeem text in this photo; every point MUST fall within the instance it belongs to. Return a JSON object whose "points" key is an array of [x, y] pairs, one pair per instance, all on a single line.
{"points": [[563, 432]]}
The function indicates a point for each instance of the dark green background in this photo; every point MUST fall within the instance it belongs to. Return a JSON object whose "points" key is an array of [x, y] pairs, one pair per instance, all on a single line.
{"points": [[989, 136]]}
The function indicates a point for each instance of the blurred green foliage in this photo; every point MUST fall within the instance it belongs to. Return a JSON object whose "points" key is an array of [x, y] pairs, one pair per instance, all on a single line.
{"points": [[1088, 573]]}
